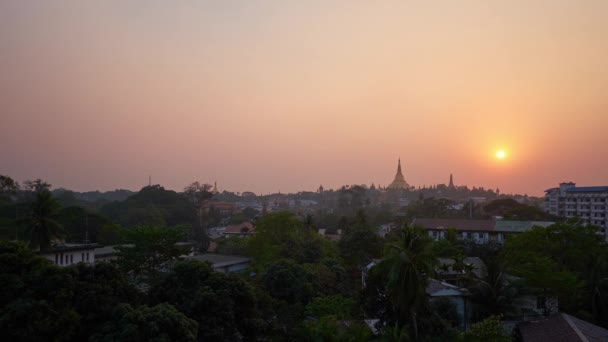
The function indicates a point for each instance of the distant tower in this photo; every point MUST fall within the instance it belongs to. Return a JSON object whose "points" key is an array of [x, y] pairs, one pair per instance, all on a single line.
{"points": [[399, 181], [320, 190], [215, 191], [451, 186]]}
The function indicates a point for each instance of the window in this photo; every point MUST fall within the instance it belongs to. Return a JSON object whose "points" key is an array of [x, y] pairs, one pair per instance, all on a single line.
{"points": [[82, 257], [87, 256], [61, 259], [71, 258], [56, 259]]}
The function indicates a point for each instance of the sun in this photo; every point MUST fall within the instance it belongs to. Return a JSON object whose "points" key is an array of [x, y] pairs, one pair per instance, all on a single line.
{"points": [[500, 154]]}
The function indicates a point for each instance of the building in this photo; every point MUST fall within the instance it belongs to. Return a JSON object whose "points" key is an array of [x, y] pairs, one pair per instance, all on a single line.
{"points": [[223, 208], [457, 295], [560, 327], [109, 253], [224, 263], [241, 229], [399, 182], [70, 253], [479, 231], [588, 203]]}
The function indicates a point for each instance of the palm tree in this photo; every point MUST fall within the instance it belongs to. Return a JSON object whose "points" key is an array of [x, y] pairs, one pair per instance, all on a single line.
{"points": [[42, 224], [408, 265]]}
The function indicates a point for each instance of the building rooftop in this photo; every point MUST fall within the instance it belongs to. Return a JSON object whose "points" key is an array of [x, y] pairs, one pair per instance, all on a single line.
{"points": [[64, 247], [518, 226], [574, 189], [561, 328], [241, 228], [219, 260], [587, 189], [457, 224]]}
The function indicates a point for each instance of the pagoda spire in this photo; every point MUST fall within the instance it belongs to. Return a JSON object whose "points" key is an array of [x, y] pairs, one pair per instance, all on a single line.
{"points": [[399, 181], [451, 182]]}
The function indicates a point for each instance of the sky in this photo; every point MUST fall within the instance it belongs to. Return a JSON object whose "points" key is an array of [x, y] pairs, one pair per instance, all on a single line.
{"points": [[270, 96]]}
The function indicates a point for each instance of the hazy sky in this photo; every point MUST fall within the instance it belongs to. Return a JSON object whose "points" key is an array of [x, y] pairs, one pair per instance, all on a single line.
{"points": [[287, 95]]}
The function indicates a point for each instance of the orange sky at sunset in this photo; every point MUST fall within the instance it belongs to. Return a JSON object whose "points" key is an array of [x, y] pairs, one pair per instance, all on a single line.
{"points": [[286, 95]]}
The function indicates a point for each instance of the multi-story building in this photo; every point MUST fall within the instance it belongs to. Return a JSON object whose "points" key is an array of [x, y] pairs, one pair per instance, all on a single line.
{"points": [[588, 203]]}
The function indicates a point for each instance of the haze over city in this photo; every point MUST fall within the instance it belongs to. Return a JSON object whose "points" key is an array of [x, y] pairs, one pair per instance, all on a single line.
{"points": [[270, 95]]}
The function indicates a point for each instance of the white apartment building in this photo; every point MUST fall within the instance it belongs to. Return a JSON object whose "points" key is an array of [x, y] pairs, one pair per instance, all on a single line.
{"points": [[588, 203]]}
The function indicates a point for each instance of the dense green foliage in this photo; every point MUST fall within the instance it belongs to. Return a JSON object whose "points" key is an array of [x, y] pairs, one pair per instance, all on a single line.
{"points": [[301, 286], [42, 223], [152, 205], [567, 261], [223, 305], [282, 235], [160, 323], [150, 250]]}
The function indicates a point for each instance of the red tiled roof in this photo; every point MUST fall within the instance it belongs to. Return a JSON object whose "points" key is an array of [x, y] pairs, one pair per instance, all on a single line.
{"points": [[237, 228], [219, 205], [457, 224]]}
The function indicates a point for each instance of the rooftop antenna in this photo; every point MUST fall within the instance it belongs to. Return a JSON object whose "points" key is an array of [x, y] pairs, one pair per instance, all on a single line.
{"points": [[86, 224]]}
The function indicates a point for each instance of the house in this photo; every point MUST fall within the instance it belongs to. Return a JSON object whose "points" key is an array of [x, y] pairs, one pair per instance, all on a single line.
{"points": [[480, 231], [108, 253], [224, 263], [459, 296], [66, 254], [560, 328], [243, 228], [224, 208]]}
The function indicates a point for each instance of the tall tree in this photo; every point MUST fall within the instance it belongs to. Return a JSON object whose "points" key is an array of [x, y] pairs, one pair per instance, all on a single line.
{"points": [[8, 186], [42, 221], [36, 185], [198, 194], [407, 266]]}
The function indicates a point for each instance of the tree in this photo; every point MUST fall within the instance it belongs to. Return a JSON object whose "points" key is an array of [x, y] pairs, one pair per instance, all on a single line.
{"points": [[42, 222], [223, 305], [407, 267], [36, 297], [337, 306], [289, 282], [98, 290], [359, 244], [37, 185], [232, 245], [283, 236], [160, 323], [152, 205], [8, 187], [150, 250], [198, 194], [490, 329], [565, 260], [495, 290]]}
